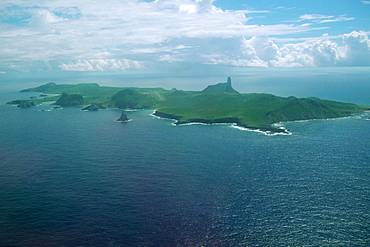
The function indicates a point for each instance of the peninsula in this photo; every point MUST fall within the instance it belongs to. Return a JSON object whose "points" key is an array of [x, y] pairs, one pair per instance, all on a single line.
{"points": [[219, 103]]}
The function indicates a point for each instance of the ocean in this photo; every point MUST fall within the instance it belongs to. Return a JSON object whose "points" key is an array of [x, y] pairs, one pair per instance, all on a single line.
{"points": [[75, 178]]}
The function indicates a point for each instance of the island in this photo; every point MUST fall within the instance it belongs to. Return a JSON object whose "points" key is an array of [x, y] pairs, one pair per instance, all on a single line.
{"points": [[23, 103], [219, 103]]}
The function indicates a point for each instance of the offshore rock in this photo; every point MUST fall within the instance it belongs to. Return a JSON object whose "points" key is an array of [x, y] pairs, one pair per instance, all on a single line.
{"points": [[22, 103], [26, 104], [123, 118]]}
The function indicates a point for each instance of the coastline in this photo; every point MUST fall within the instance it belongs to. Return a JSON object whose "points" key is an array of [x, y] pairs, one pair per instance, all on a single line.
{"points": [[234, 122], [275, 129]]}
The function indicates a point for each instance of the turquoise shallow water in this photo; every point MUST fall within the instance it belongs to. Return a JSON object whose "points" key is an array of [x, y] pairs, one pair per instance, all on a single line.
{"points": [[74, 178]]}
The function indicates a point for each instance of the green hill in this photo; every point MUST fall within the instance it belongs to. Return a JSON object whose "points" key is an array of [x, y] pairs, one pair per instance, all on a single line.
{"points": [[70, 100], [132, 99], [47, 88]]}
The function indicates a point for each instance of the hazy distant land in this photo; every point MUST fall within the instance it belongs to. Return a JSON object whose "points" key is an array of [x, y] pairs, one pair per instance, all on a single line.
{"points": [[218, 103]]}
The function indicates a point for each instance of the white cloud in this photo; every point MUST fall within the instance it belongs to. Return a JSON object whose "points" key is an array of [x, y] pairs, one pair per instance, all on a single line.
{"points": [[80, 29], [357, 48], [204, 6], [236, 52], [169, 58], [43, 17], [199, 6], [262, 51], [315, 17], [265, 48], [340, 18], [321, 52], [188, 8], [101, 65], [121, 35], [318, 18], [365, 2], [18, 68]]}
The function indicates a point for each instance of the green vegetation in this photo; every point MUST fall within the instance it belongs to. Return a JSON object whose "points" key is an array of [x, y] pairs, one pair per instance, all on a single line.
{"points": [[70, 100], [132, 99], [218, 103], [258, 111]]}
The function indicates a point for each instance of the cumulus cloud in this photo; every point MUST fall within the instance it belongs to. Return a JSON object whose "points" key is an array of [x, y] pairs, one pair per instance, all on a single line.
{"points": [[357, 48], [321, 52], [262, 51], [199, 6], [240, 52], [265, 48]]}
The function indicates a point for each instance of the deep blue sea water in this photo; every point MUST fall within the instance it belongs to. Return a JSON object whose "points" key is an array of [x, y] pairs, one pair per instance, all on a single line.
{"points": [[75, 178]]}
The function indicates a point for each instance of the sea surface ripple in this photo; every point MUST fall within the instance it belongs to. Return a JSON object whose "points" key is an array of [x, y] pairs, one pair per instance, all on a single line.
{"points": [[74, 178]]}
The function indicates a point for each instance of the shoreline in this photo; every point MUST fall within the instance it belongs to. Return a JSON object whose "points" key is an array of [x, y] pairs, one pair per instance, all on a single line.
{"points": [[275, 129], [233, 122]]}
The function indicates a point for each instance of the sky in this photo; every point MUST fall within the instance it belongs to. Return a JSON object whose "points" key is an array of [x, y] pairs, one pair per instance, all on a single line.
{"points": [[152, 35]]}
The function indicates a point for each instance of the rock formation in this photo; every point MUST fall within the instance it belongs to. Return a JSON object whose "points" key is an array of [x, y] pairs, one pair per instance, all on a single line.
{"points": [[26, 104], [70, 100], [221, 88], [123, 118]]}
